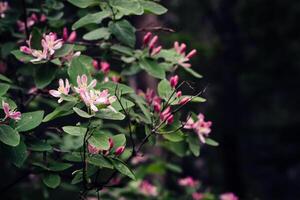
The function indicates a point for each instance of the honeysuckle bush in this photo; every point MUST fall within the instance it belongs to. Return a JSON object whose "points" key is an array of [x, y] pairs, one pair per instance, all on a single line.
{"points": [[70, 118]]}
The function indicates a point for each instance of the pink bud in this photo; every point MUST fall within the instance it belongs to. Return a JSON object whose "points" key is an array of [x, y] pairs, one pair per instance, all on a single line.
{"points": [[170, 119], [92, 149], [43, 18], [25, 49], [116, 79], [182, 48], [111, 143], [95, 64], [153, 42], [184, 100], [191, 54], [65, 34], [176, 46], [174, 81], [119, 150], [105, 67], [34, 17], [156, 50], [178, 94], [72, 36], [146, 38]]}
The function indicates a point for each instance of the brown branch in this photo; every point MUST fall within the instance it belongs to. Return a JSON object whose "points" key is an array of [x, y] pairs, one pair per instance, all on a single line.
{"points": [[156, 28]]}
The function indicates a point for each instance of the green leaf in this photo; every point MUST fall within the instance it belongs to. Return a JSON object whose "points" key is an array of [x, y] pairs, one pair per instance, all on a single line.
{"points": [[211, 142], [58, 166], [119, 140], [164, 89], [124, 32], [99, 140], [99, 161], [91, 170], [65, 50], [36, 38], [192, 72], [5, 79], [176, 136], [39, 146], [97, 34], [44, 75], [17, 155], [109, 114], [75, 130], [95, 18], [195, 99], [122, 49], [3, 88], [153, 68], [62, 110], [84, 3], [194, 144], [122, 168], [153, 7], [127, 7], [78, 66], [29, 121], [125, 103], [82, 113], [112, 86], [9, 136], [51, 180], [22, 57]]}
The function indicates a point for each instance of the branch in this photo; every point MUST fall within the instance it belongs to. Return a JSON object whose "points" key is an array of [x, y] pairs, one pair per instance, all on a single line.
{"points": [[156, 28], [25, 19]]}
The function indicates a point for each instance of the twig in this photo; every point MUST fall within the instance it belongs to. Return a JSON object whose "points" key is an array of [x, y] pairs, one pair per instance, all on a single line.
{"points": [[25, 19], [156, 28]]}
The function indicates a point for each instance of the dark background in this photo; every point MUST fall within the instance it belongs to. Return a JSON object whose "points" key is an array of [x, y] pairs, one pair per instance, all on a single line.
{"points": [[248, 52]]}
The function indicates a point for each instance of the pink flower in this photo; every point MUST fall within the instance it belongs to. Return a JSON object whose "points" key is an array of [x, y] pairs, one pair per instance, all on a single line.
{"points": [[191, 54], [147, 38], [51, 43], [178, 94], [197, 196], [63, 89], [188, 182], [70, 56], [15, 115], [174, 81], [119, 150], [153, 42], [153, 99], [69, 38], [105, 67], [31, 20], [3, 8], [43, 18], [228, 196], [82, 84], [201, 127], [148, 189], [93, 150], [180, 49], [167, 116], [93, 98]]}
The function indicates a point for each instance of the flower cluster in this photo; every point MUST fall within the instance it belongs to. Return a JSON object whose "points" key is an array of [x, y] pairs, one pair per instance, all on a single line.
{"points": [[10, 114], [104, 67], [148, 189], [181, 50], [3, 8], [31, 21], [94, 150], [49, 43], [173, 82], [201, 127], [152, 44], [91, 97]]}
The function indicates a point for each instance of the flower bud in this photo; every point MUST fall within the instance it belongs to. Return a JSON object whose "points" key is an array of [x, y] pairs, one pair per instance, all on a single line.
{"points": [[65, 34], [156, 50], [146, 38], [178, 94], [191, 54], [105, 67], [174, 81], [182, 48], [92, 149], [72, 36], [119, 150], [43, 18], [95, 64], [153, 42], [184, 100], [25, 49]]}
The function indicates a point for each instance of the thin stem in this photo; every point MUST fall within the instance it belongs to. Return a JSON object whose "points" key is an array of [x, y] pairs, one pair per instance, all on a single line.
{"points": [[25, 19]]}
